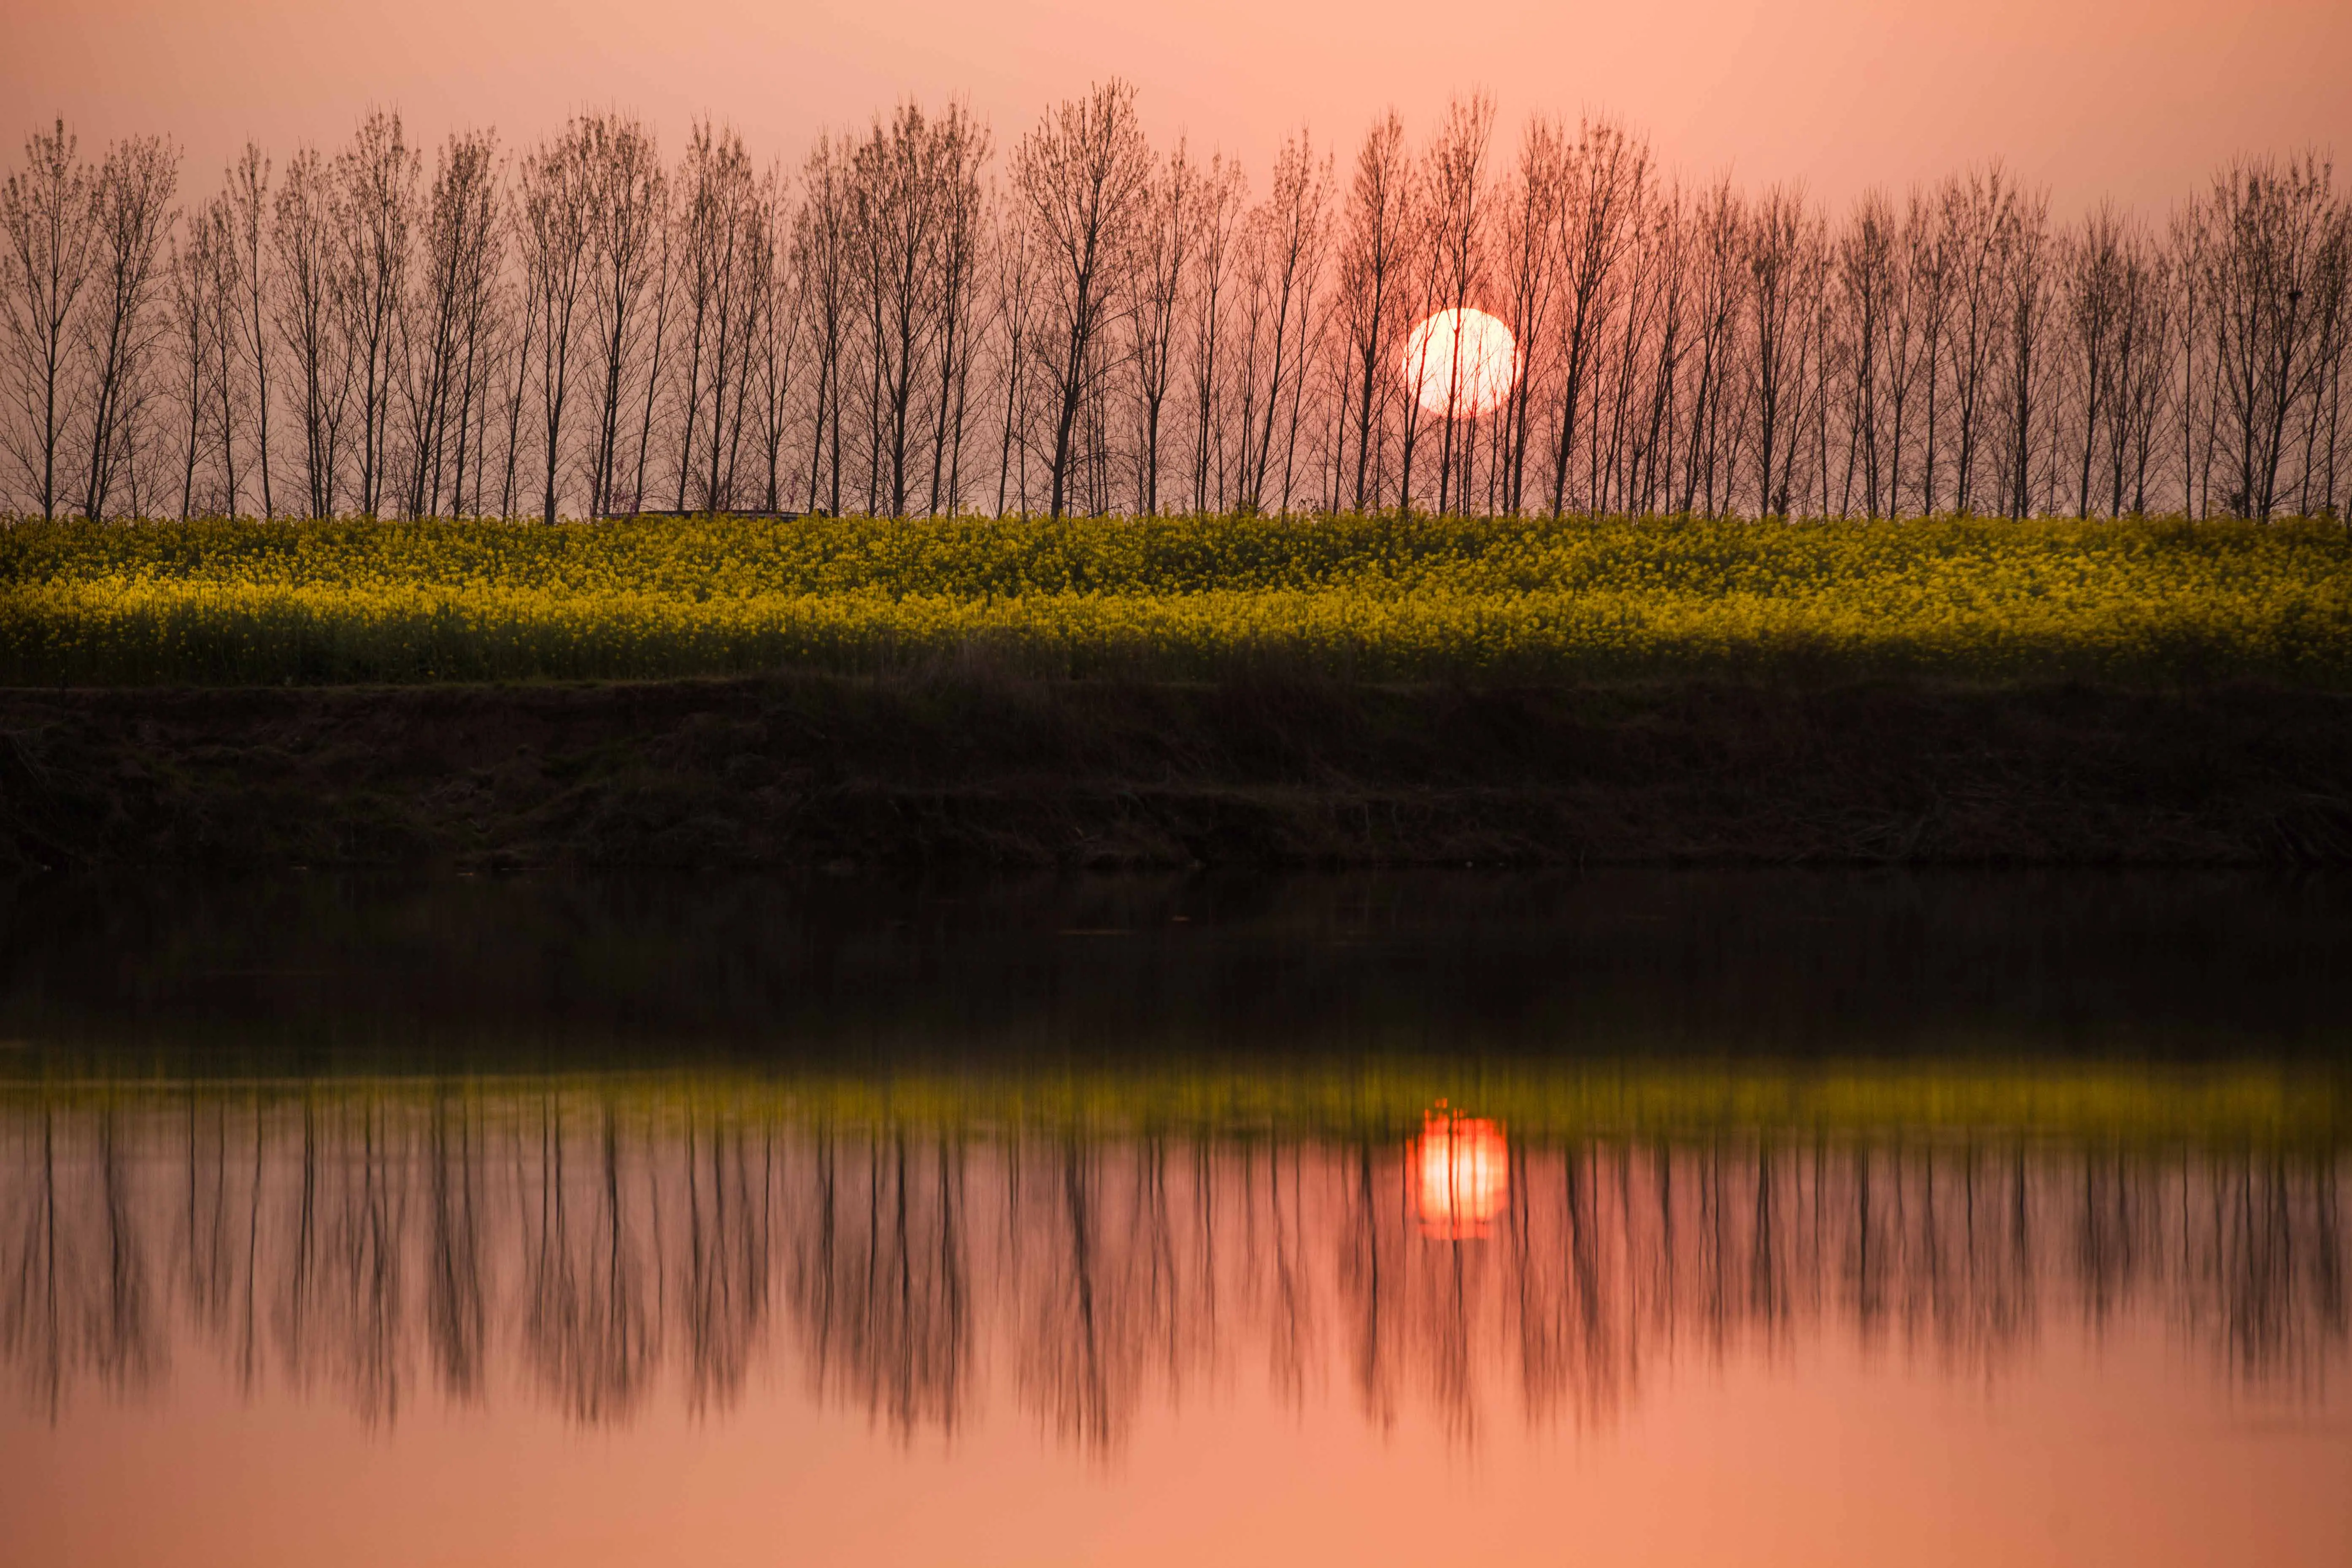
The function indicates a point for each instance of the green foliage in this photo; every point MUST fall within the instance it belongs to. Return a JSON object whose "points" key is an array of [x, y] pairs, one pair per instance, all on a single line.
{"points": [[1381, 597]]}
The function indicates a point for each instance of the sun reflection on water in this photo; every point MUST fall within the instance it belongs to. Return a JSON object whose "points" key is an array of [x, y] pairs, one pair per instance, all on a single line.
{"points": [[1463, 1168]]}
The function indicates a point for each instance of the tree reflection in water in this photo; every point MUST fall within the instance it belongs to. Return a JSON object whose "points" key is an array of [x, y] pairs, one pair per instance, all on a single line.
{"points": [[588, 1248]]}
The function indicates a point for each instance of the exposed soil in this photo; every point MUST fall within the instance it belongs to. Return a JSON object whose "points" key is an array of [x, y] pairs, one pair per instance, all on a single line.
{"points": [[818, 772]]}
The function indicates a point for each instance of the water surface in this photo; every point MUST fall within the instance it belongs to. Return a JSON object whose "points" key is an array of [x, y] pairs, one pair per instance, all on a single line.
{"points": [[1648, 1219]]}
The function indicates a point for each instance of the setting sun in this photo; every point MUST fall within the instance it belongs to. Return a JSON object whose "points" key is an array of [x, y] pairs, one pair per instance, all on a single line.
{"points": [[1461, 362]]}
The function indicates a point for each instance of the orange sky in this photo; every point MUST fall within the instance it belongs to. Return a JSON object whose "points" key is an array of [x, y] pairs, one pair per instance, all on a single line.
{"points": [[2137, 99]]}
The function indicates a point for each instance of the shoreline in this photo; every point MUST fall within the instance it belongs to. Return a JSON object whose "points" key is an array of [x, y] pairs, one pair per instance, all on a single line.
{"points": [[840, 773]]}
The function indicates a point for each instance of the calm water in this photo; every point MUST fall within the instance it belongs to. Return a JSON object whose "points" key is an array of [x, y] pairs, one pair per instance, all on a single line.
{"points": [[1764, 1218]]}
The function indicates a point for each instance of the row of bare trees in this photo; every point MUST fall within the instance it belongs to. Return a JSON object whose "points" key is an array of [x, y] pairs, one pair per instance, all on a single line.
{"points": [[907, 322]]}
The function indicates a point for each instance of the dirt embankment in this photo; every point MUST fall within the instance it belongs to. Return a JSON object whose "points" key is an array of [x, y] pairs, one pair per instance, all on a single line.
{"points": [[827, 772]]}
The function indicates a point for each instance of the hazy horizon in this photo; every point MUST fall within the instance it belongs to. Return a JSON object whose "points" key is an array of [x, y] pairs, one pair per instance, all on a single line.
{"points": [[2079, 97]]}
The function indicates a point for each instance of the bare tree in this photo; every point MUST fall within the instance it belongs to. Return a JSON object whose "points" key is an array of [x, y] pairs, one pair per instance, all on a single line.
{"points": [[1720, 221], [724, 246], [1608, 177], [2197, 398], [2092, 286], [375, 207], [1634, 378], [1375, 235], [2025, 273], [440, 328], [1084, 172], [192, 272], [519, 334], [250, 217], [49, 211], [2331, 316], [964, 149], [133, 205], [1979, 211], [778, 336], [820, 260], [1454, 178], [1016, 307], [1866, 274], [232, 391], [2146, 338], [1930, 243], [665, 303], [303, 241], [555, 213], [1669, 299], [1783, 246], [1901, 356], [1530, 245], [908, 183], [1291, 235], [1162, 275], [2275, 249], [627, 199], [1225, 194]]}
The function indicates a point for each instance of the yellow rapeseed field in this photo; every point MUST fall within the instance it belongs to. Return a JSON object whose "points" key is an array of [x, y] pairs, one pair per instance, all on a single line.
{"points": [[1382, 597]]}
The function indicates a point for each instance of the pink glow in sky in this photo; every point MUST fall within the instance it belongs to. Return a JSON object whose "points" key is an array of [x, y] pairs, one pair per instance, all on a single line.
{"points": [[2135, 100]]}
